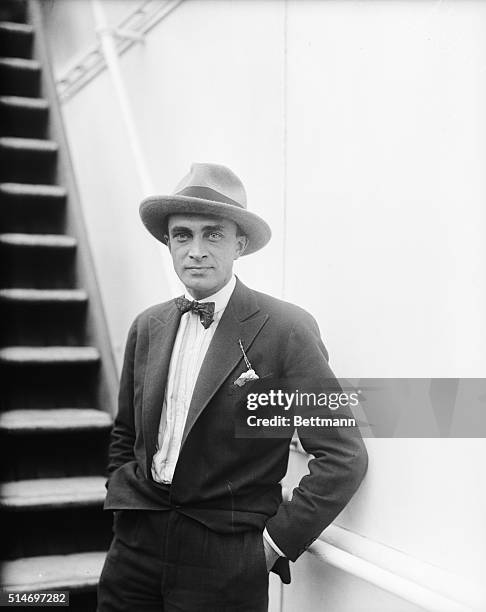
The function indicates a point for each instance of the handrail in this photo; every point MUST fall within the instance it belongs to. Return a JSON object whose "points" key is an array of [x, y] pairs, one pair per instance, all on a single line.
{"points": [[407, 589], [412, 579], [431, 577], [90, 62]]}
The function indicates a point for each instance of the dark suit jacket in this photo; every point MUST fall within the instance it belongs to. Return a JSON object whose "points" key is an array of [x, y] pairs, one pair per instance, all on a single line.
{"points": [[227, 482]]}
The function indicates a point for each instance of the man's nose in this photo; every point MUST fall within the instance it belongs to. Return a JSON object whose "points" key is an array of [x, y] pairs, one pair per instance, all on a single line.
{"points": [[197, 250]]}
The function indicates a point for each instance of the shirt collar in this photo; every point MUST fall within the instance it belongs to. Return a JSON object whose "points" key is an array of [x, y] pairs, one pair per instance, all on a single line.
{"points": [[220, 298]]}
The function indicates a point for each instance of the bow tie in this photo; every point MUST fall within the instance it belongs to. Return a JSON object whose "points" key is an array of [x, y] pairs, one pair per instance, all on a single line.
{"points": [[205, 310]]}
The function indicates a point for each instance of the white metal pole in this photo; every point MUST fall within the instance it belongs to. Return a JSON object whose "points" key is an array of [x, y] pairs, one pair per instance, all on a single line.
{"points": [[111, 57], [108, 48]]}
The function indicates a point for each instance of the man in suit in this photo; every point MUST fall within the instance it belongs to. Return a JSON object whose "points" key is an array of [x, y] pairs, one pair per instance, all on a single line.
{"points": [[199, 516]]}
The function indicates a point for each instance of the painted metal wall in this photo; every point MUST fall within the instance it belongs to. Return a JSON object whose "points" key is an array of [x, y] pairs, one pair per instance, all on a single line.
{"points": [[359, 130]]}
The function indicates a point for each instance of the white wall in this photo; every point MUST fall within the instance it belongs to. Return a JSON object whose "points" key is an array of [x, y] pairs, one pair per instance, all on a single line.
{"points": [[387, 149], [361, 124]]}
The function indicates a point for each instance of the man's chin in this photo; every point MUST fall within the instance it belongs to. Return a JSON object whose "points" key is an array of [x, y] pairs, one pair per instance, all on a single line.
{"points": [[198, 288]]}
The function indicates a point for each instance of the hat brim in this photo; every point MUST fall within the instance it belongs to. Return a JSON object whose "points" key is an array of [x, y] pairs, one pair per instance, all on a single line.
{"points": [[155, 210]]}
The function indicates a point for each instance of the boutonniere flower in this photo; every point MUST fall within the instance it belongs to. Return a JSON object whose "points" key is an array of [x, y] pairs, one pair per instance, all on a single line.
{"points": [[250, 373]]}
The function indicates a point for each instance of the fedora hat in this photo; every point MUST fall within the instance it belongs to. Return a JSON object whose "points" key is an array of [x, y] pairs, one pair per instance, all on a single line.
{"points": [[208, 189]]}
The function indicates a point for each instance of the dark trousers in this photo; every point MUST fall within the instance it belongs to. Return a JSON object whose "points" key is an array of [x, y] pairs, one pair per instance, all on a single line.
{"points": [[163, 561]]}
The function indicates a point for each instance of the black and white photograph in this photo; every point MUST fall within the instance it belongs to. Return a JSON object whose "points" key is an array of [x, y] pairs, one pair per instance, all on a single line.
{"points": [[243, 304]]}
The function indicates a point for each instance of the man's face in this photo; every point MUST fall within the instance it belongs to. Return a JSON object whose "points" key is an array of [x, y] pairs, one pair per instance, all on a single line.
{"points": [[203, 250]]}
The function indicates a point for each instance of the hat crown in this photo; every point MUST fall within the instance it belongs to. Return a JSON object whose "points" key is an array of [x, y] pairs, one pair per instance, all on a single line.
{"points": [[215, 177]]}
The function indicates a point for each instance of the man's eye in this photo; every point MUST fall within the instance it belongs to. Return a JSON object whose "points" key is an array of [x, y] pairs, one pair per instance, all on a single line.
{"points": [[215, 236], [181, 237]]}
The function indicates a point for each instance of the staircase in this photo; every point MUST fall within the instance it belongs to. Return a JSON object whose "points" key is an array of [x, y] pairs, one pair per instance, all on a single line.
{"points": [[58, 377]]}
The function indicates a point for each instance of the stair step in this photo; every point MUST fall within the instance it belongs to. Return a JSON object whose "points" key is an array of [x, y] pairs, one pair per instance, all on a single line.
{"points": [[43, 377], [74, 572], [49, 355], [36, 145], [44, 493], [20, 63], [14, 26], [28, 190], [43, 317], [38, 241], [34, 104], [16, 39], [24, 207], [21, 116], [12, 10], [42, 296], [56, 419], [19, 76], [53, 453], [27, 160], [37, 261]]}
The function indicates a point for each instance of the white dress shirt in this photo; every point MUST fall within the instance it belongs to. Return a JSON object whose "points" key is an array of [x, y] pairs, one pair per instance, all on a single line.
{"points": [[190, 348]]}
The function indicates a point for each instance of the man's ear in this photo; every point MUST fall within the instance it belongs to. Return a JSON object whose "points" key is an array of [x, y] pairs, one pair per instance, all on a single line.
{"points": [[167, 240], [242, 243]]}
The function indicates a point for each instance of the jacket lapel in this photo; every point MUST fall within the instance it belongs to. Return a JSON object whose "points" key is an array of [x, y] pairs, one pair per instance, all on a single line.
{"points": [[162, 334], [241, 319]]}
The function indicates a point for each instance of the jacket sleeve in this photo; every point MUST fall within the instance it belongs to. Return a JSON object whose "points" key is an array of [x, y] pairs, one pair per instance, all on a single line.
{"points": [[339, 460], [123, 432]]}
